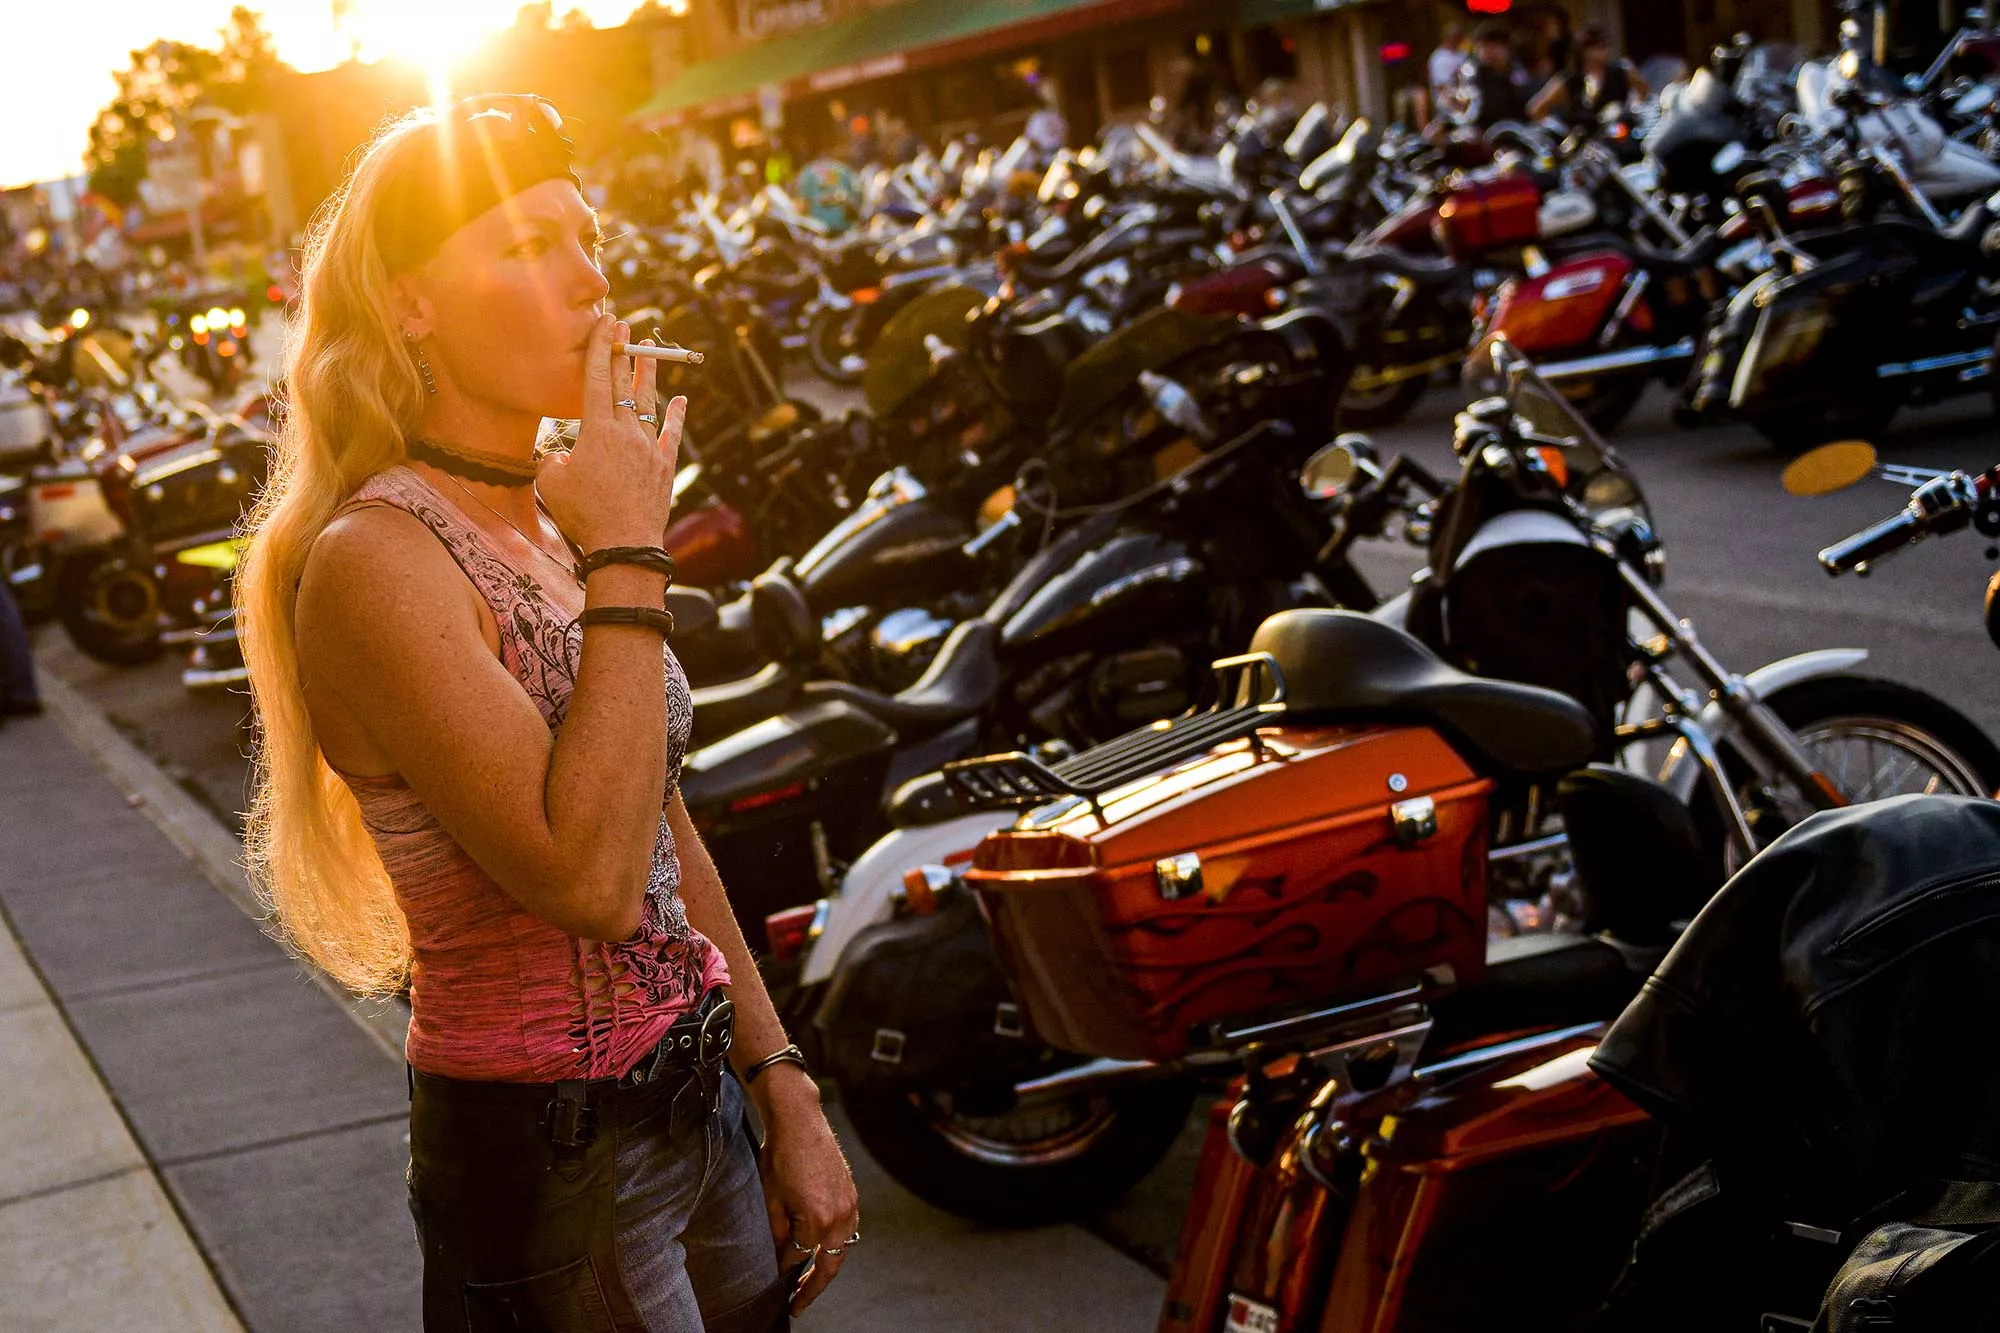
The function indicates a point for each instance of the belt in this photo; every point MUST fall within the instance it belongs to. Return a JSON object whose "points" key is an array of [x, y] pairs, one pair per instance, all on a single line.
{"points": [[696, 1048]]}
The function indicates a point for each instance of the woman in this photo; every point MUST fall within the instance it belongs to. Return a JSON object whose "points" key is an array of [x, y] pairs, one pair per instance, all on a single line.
{"points": [[1597, 81], [470, 730]]}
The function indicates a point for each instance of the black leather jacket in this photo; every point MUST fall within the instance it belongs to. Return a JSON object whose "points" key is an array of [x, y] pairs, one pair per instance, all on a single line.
{"points": [[1829, 1026]]}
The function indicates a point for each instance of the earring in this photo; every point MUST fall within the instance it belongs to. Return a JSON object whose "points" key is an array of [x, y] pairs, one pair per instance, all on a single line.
{"points": [[423, 365]]}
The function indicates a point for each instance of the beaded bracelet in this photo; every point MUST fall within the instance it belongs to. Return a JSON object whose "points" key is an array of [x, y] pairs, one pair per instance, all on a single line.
{"points": [[651, 617], [655, 558]]}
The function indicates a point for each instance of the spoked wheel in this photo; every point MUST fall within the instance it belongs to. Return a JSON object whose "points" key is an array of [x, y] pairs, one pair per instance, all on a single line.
{"points": [[1873, 739], [1038, 1163]]}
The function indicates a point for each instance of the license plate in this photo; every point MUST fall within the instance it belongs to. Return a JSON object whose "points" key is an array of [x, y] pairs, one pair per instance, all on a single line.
{"points": [[1247, 1316]]}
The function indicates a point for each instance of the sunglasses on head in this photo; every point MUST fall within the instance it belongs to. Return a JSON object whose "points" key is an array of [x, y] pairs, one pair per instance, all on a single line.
{"points": [[525, 111]]}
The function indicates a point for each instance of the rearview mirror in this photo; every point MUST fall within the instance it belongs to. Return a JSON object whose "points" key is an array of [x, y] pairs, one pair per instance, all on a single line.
{"points": [[1829, 468], [1327, 473]]}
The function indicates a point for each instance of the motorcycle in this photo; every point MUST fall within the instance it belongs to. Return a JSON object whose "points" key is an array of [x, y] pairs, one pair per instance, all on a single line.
{"points": [[1378, 743]]}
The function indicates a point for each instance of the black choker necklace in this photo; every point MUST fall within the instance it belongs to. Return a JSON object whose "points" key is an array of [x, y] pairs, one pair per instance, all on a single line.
{"points": [[487, 469]]}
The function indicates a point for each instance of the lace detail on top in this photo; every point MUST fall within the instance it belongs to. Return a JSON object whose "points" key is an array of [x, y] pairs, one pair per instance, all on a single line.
{"points": [[497, 993]]}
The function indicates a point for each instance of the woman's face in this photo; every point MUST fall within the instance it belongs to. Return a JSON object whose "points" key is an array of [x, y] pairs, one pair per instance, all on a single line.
{"points": [[508, 302]]}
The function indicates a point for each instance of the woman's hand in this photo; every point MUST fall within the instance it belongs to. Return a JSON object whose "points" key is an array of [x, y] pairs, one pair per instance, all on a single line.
{"points": [[615, 487], [808, 1189]]}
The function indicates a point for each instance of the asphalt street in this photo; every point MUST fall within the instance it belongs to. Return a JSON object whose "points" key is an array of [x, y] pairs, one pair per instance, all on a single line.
{"points": [[1740, 566]]}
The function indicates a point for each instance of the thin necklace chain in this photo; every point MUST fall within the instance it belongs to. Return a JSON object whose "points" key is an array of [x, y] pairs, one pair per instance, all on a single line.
{"points": [[568, 569]]}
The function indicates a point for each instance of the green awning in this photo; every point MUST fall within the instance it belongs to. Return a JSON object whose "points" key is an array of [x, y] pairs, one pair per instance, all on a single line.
{"points": [[872, 45]]}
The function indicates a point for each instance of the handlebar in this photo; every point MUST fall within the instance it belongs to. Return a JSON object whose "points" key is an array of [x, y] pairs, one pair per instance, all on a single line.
{"points": [[1872, 543], [1939, 505]]}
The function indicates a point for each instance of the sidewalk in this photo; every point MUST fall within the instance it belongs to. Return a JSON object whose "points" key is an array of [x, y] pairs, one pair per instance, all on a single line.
{"points": [[200, 1136]]}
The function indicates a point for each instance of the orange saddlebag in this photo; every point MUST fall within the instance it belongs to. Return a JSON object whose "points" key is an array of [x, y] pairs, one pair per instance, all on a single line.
{"points": [[1256, 879]]}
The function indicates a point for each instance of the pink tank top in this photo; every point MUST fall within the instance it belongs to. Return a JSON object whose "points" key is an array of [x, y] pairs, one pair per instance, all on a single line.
{"points": [[496, 993]]}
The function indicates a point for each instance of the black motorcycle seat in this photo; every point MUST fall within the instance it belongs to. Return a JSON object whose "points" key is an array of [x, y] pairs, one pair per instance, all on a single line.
{"points": [[1424, 270], [960, 681], [694, 611], [1121, 238], [1541, 980], [1341, 665], [722, 710], [786, 630], [1699, 252]]}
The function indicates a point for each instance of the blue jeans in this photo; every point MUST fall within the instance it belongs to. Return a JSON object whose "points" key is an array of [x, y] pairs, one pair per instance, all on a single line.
{"points": [[17, 664], [654, 1227]]}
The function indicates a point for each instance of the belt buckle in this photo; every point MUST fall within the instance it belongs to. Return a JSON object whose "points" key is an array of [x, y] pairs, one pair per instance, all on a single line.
{"points": [[718, 1033]]}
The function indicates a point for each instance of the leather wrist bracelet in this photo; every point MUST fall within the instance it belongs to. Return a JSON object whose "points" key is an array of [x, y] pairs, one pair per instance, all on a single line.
{"points": [[790, 1055], [655, 558], [650, 617]]}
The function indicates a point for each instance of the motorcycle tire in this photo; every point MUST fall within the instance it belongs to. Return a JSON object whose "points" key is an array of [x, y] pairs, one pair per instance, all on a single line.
{"points": [[114, 641], [833, 345], [1796, 432], [957, 1163], [1379, 408], [1857, 707]]}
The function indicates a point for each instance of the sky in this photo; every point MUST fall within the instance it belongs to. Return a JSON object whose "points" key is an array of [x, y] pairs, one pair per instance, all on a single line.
{"points": [[58, 56]]}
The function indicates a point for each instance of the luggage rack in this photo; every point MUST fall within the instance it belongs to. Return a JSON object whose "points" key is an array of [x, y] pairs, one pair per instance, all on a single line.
{"points": [[1249, 693]]}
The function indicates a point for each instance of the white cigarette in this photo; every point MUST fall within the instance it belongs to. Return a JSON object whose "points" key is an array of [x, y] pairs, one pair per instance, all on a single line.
{"points": [[679, 355]]}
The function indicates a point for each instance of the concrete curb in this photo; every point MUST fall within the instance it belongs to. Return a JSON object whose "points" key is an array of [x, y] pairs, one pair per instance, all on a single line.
{"points": [[212, 848]]}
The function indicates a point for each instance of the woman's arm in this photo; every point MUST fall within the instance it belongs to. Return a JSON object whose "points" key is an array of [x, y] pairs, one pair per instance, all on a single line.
{"points": [[807, 1185], [565, 824]]}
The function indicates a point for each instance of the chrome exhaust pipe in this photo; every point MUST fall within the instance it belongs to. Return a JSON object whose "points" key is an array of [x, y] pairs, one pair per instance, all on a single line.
{"points": [[1630, 358]]}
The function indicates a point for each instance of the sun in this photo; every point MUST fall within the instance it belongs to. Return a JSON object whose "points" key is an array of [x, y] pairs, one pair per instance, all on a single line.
{"points": [[432, 35]]}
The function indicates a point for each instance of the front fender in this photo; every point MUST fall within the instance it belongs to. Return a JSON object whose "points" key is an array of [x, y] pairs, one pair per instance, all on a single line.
{"points": [[1765, 681], [877, 875]]}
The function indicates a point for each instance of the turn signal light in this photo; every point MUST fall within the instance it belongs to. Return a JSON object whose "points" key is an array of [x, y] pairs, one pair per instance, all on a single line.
{"points": [[867, 296]]}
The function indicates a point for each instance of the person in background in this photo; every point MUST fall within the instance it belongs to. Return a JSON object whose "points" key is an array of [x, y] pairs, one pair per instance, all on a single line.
{"points": [[1496, 87], [1597, 79], [18, 695], [1446, 64], [1554, 46]]}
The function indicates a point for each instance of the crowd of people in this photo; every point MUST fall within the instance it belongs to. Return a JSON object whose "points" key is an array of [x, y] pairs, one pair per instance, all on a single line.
{"points": [[1484, 79]]}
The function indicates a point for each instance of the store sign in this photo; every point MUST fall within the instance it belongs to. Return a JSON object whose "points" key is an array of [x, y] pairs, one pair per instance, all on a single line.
{"points": [[758, 19]]}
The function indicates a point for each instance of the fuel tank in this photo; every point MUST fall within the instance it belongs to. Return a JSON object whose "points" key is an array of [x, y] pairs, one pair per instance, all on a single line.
{"points": [[898, 539]]}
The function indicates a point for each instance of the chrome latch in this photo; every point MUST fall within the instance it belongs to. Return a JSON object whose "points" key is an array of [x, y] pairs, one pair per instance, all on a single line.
{"points": [[1007, 1020], [1178, 876], [1416, 819], [889, 1045]]}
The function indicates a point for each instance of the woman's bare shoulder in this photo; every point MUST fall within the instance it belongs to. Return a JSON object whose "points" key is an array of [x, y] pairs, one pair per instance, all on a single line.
{"points": [[375, 571]]}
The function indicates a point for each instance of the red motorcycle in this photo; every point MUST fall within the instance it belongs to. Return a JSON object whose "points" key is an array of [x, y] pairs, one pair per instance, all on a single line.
{"points": [[1603, 324]]}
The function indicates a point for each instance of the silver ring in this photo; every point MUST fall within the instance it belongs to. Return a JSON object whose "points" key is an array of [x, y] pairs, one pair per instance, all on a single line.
{"points": [[804, 1249], [649, 418], [629, 404], [833, 1250]]}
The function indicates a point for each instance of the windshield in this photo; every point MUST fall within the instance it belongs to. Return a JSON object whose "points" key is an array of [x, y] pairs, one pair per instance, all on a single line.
{"points": [[1594, 476]]}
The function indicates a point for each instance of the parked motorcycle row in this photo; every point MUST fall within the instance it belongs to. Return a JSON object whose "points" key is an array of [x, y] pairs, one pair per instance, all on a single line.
{"points": [[1067, 769], [118, 501]]}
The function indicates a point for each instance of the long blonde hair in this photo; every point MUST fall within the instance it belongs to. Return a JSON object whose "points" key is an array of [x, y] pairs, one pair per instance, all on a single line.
{"points": [[353, 395]]}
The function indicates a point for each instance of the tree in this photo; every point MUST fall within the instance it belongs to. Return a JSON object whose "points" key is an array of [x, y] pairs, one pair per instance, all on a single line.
{"points": [[166, 81]]}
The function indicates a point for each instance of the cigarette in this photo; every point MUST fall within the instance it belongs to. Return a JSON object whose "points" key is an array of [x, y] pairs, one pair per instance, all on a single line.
{"points": [[678, 355]]}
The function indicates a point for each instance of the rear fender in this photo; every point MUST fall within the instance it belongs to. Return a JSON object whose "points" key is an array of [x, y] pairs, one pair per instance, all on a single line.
{"points": [[867, 893], [1681, 774]]}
